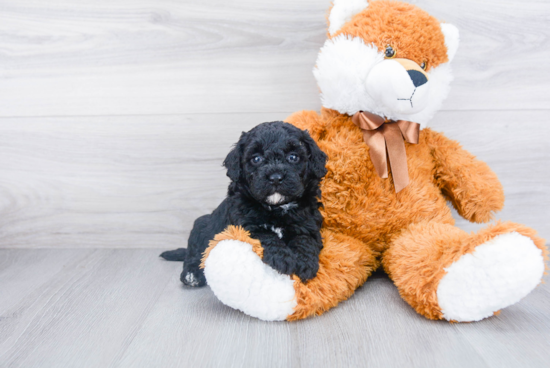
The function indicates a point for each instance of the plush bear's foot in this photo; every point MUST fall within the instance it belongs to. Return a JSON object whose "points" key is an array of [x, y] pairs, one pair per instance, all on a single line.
{"points": [[496, 275], [239, 278], [445, 273]]}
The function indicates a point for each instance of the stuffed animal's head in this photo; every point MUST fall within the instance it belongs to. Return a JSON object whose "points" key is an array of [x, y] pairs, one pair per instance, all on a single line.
{"points": [[386, 57]]}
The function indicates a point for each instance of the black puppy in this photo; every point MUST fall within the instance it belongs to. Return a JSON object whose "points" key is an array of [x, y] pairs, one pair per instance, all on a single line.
{"points": [[275, 170]]}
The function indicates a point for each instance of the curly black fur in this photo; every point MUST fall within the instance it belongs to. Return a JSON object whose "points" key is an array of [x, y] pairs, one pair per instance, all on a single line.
{"points": [[275, 171]]}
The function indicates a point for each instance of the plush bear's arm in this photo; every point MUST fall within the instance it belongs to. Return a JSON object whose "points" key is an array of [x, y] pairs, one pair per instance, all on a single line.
{"points": [[309, 120], [471, 186]]}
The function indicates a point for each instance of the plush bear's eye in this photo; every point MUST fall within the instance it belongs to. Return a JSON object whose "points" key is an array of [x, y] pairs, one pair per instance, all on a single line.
{"points": [[424, 65], [389, 53], [256, 160], [292, 158]]}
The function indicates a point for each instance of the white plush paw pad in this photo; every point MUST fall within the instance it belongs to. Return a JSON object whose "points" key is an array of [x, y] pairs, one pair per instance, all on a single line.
{"points": [[240, 279], [496, 275]]}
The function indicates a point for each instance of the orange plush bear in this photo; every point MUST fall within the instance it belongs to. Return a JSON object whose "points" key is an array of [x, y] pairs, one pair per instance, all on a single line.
{"points": [[383, 73]]}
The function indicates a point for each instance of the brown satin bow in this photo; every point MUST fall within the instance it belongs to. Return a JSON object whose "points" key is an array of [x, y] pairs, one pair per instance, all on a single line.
{"points": [[379, 133]]}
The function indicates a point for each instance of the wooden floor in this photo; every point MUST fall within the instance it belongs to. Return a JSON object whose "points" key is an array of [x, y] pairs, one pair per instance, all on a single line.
{"points": [[127, 308]]}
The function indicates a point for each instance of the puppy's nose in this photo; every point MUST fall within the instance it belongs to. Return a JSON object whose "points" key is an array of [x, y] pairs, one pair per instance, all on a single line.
{"points": [[417, 77], [275, 178]]}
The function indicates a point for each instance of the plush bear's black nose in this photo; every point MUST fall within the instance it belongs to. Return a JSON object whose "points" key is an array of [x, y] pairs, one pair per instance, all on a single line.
{"points": [[417, 77], [275, 178]]}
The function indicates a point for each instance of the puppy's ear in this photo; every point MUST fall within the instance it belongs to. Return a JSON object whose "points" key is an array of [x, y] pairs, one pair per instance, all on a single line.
{"points": [[317, 158], [233, 160]]}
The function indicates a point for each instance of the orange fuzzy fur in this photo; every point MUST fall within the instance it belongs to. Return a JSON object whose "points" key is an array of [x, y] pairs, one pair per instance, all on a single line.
{"points": [[344, 265], [413, 229], [417, 259], [414, 34], [412, 232]]}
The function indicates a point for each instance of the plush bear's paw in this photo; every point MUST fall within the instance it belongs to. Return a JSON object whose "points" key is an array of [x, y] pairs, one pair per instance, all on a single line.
{"points": [[240, 279], [496, 275]]}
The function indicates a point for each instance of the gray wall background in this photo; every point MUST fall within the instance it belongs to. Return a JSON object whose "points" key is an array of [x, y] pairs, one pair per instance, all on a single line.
{"points": [[115, 116]]}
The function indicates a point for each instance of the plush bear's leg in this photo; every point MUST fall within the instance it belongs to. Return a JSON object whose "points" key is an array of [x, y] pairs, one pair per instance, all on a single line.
{"points": [[344, 265], [236, 274], [445, 273]]}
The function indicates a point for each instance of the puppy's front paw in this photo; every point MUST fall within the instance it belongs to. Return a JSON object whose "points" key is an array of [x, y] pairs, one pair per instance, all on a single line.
{"points": [[281, 259], [306, 270]]}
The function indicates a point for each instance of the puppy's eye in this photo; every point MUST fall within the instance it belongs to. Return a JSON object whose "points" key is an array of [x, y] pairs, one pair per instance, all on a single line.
{"points": [[389, 53], [424, 65], [256, 160], [292, 158]]}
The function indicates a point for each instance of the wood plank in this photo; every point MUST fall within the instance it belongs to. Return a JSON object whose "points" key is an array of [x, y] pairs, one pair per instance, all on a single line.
{"points": [[89, 181], [19, 276], [140, 181], [127, 308], [505, 339], [361, 332], [175, 57], [376, 328], [85, 315], [202, 332]]}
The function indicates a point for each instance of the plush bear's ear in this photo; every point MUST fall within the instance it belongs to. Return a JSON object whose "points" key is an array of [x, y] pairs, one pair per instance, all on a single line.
{"points": [[233, 160], [342, 11], [451, 39], [317, 158]]}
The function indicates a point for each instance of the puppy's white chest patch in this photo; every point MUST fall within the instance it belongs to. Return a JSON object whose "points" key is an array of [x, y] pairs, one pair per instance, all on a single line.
{"points": [[276, 230], [275, 198]]}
